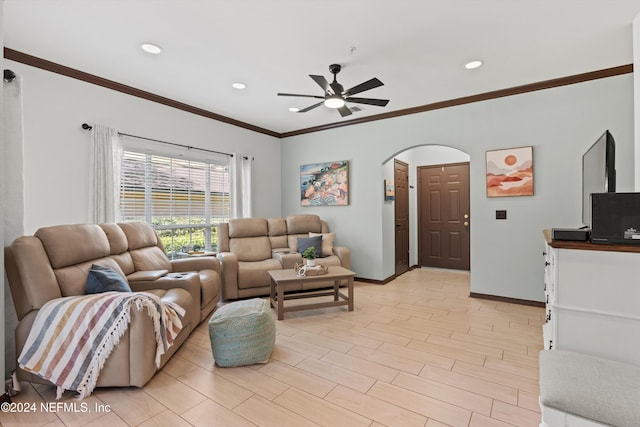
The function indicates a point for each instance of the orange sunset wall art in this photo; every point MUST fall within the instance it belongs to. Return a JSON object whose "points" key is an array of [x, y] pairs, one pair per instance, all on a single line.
{"points": [[510, 172]]}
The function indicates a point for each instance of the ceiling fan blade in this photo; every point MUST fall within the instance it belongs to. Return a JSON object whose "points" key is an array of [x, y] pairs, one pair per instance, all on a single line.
{"points": [[344, 111], [369, 84], [303, 96], [322, 82], [311, 107], [369, 101]]}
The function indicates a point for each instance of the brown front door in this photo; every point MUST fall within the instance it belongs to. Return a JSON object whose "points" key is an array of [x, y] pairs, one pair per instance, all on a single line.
{"points": [[401, 182], [444, 220]]}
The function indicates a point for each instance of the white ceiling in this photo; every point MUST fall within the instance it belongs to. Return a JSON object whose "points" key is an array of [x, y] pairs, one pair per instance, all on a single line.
{"points": [[418, 48]]}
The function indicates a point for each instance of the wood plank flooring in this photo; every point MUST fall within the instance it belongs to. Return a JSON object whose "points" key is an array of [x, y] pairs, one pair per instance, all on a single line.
{"points": [[415, 352]]}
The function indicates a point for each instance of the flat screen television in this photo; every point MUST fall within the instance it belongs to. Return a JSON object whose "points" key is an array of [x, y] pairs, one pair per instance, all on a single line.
{"points": [[598, 172]]}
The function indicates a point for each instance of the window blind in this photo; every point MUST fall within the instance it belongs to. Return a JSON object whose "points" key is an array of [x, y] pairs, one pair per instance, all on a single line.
{"points": [[182, 199]]}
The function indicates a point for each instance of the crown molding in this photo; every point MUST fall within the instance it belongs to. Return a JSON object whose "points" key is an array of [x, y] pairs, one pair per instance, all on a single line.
{"points": [[53, 67], [547, 84]]}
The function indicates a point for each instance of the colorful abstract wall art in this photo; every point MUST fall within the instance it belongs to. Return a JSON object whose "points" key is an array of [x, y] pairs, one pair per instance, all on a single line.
{"points": [[325, 184], [510, 172]]}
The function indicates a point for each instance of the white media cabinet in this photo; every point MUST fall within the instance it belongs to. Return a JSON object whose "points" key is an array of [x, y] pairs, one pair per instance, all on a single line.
{"points": [[592, 296], [593, 299]]}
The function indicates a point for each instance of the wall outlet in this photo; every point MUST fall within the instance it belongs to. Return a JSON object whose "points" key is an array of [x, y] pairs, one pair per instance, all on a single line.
{"points": [[501, 214]]}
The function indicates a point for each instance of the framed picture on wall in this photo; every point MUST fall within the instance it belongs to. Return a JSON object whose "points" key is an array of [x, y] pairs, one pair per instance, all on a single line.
{"points": [[510, 172], [325, 184], [389, 191]]}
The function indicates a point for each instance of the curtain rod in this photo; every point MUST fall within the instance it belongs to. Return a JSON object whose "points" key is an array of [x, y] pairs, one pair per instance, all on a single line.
{"points": [[188, 147]]}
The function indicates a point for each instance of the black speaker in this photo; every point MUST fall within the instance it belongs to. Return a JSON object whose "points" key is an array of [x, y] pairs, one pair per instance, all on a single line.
{"points": [[570, 234], [615, 218]]}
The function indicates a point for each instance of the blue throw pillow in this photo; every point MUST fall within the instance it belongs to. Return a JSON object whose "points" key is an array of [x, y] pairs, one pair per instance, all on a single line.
{"points": [[305, 242], [103, 279]]}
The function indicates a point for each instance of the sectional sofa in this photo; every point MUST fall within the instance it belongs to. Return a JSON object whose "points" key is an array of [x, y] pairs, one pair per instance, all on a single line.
{"points": [[55, 263]]}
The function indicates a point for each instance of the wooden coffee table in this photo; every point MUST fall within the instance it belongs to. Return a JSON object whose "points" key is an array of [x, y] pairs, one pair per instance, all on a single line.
{"points": [[280, 279]]}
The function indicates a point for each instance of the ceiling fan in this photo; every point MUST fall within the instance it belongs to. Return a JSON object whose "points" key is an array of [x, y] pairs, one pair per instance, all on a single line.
{"points": [[335, 96]]}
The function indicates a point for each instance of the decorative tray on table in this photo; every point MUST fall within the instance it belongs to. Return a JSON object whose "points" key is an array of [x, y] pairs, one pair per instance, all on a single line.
{"points": [[305, 270]]}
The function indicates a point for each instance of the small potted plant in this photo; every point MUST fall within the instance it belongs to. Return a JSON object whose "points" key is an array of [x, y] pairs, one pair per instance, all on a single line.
{"points": [[310, 255]]}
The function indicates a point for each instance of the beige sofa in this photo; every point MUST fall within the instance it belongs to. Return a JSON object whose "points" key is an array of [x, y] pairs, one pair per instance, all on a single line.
{"points": [[55, 263], [250, 247]]}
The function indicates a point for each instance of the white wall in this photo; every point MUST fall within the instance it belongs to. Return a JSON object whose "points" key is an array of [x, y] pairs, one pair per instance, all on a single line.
{"points": [[57, 149], [636, 97], [560, 124]]}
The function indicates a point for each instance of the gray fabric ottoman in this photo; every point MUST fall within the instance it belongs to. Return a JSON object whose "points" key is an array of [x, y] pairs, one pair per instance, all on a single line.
{"points": [[242, 333]]}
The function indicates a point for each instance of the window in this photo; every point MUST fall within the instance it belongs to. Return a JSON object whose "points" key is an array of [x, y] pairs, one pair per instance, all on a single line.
{"points": [[182, 199]]}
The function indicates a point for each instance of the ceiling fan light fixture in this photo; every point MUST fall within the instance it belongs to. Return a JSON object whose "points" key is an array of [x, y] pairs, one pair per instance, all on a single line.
{"points": [[334, 102], [239, 85], [294, 109]]}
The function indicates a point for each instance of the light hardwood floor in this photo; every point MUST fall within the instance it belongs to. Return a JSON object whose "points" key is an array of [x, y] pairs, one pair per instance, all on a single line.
{"points": [[415, 352]]}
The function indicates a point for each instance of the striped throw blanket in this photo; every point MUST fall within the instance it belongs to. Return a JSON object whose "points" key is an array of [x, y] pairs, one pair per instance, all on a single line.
{"points": [[72, 337]]}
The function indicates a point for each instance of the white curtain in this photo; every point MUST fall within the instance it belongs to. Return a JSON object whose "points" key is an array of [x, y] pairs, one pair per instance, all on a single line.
{"points": [[106, 156], [13, 154], [11, 206], [241, 180]]}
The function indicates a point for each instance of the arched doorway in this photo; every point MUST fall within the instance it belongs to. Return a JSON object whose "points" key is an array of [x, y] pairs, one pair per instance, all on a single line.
{"points": [[423, 155]]}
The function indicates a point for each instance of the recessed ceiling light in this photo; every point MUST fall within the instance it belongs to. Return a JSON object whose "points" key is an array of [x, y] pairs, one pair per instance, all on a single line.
{"points": [[294, 109], [239, 86], [473, 64], [151, 48]]}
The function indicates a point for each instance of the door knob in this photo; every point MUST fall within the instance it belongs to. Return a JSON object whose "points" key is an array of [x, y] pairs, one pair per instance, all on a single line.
{"points": [[466, 216], [466, 224]]}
